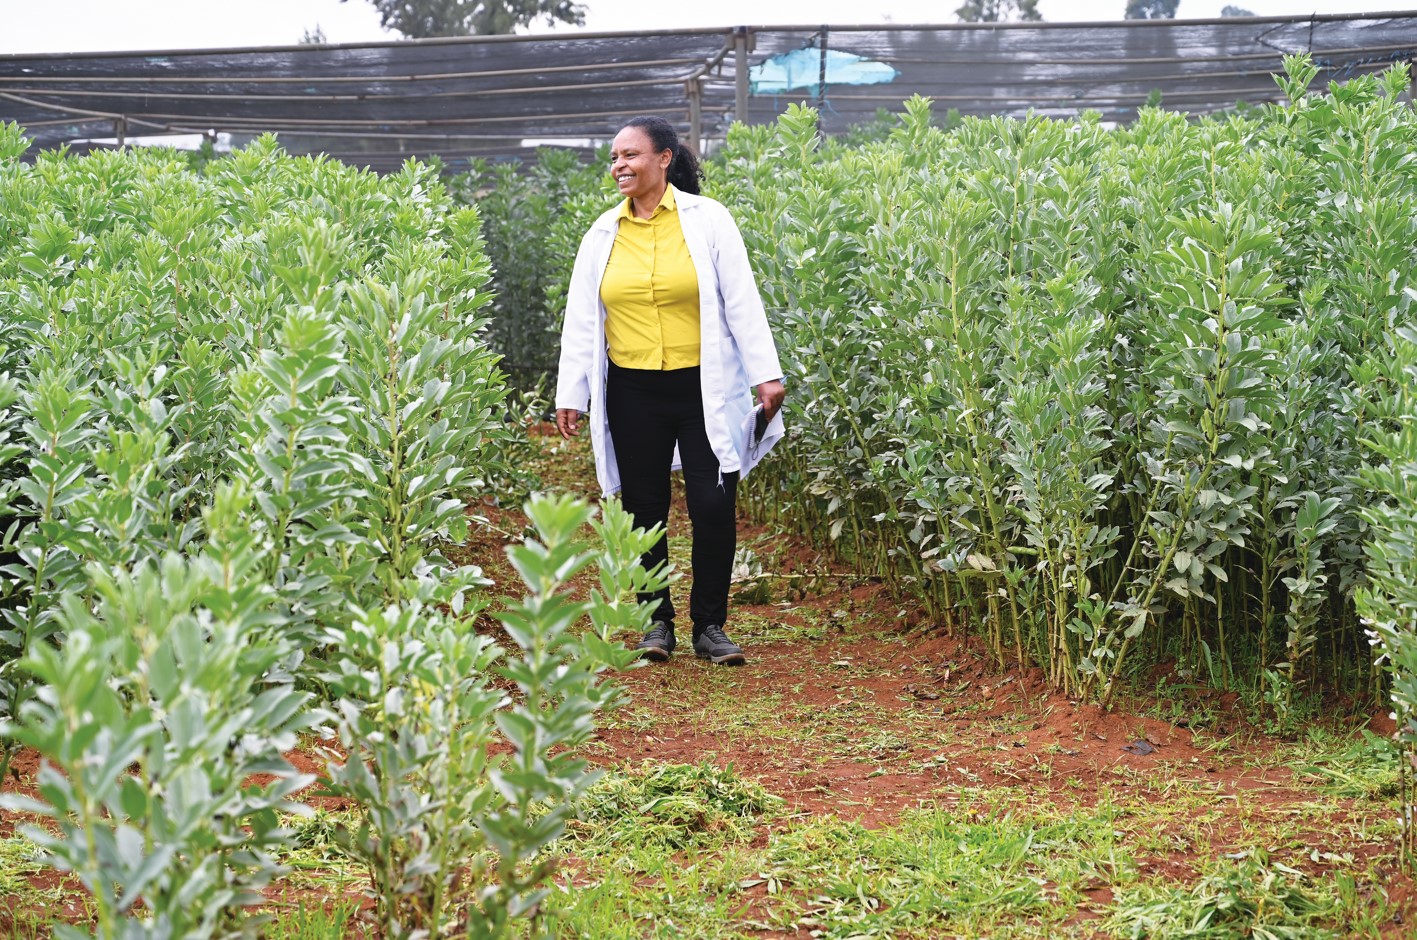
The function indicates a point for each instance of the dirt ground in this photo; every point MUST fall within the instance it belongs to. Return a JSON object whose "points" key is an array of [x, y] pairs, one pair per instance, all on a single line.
{"points": [[929, 715]]}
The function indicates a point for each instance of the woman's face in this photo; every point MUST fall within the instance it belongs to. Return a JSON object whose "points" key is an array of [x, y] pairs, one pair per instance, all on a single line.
{"points": [[638, 170]]}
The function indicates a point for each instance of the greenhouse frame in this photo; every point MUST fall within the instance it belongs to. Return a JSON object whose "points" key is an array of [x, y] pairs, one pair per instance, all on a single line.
{"points": [[377, 104]]}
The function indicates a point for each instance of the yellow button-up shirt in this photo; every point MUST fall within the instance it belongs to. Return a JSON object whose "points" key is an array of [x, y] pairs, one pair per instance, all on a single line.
{"points": [[651, 292]]}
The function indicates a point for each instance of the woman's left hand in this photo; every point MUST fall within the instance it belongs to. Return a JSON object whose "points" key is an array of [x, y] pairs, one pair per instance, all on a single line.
{"points": [[770, 396]]}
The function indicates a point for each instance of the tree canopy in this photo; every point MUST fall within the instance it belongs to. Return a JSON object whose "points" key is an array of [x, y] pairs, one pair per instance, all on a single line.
{"points": [[1151, 9], [424, 19], [999, 11]]}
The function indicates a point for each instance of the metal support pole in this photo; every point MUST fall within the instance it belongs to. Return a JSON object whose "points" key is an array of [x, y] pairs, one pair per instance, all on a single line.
{"points": [[695, 89], [740, 74], [120, 130]]}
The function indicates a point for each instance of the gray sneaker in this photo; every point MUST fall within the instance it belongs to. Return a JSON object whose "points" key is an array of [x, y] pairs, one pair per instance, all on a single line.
{"points": [[713, 644], [658, 642]]}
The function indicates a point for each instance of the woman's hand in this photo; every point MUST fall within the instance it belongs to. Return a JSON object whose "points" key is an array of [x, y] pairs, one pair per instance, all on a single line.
{"points": [[568, 422], [770, 396]]}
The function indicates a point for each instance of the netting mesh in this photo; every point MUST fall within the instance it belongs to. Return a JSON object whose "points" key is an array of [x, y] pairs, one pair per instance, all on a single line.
{"points": [[1061, 69], [376, 104]]}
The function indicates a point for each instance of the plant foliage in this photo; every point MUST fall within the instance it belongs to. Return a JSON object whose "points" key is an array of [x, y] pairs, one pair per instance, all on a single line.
{"points": [[529, 214], [1096, 390], [448, 827], [241, 415], [1108, 396], [426, 19]]}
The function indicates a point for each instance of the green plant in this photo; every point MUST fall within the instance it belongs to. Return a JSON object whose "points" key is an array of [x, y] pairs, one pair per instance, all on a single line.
{"points": [[152, 717], [312, 923], [674, 806], [239, 409], [1097, 395], [295, 326], [1389, 602], [450, 832], [1253, 897], [1369, 767], [529, 217], [944, 871]]}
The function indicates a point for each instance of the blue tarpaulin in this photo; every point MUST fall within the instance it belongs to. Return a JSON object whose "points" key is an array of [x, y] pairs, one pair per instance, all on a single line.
{"points": [[802, 68]]}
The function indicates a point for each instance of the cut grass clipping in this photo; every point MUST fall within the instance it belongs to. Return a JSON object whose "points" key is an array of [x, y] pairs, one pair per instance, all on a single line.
{"points": [[1248, 897]]}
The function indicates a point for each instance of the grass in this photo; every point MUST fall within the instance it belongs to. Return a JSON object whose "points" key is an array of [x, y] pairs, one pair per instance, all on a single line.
{"points": [[701, 850], [729, 864], [636, 897], [677, 850], [660, 850], [1363, 768], [313, 922], [19, 858], [672, 806], [1185, 704], [29, 905], [672, 850], [1250, 897], [961, 870]]}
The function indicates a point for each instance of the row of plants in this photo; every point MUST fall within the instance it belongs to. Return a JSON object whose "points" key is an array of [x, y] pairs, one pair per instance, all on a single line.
{"points": [[1097, 391], [1111, 396], [1388, 600], [242, 414], [524, 211], [533, 216]]}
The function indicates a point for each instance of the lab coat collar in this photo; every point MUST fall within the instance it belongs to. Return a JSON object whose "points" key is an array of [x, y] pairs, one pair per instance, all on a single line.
{"points": [[666, 204]]}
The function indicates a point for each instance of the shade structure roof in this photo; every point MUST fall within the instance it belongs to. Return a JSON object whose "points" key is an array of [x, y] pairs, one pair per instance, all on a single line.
{"points": [[377, 104]]}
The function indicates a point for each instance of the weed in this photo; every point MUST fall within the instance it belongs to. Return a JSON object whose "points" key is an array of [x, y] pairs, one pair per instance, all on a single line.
{"points": [[1248, 897], [673, 806], [1366, 768], [946, 871], [314, 923], [19, 857]]}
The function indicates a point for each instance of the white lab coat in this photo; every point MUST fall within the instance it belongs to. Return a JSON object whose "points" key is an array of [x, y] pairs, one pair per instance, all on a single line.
{"points": [[736, 349]]}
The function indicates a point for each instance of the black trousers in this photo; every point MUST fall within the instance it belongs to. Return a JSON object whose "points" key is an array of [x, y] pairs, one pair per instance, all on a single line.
{"points": [[649, 412]]}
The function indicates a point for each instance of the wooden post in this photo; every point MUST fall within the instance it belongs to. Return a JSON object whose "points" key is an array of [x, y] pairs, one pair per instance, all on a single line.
{"points": [[740, 74], [695, 89], [120, 131]]}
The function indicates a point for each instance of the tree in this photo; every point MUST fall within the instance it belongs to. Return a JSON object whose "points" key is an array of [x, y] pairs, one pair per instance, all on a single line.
{"points": [[1151, 9], [999, 11], [423, 19], [1232, 10], [314, 37]]}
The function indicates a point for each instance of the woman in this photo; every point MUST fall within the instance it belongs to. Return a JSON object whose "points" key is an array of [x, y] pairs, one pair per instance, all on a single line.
{"points": [[664, 340]]}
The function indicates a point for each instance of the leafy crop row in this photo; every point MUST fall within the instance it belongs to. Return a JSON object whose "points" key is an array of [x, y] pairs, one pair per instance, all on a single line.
{"points": [[524, 212], [1112, 397], [1099, 390], [293, 337], [1388, 600], [241, 413]]}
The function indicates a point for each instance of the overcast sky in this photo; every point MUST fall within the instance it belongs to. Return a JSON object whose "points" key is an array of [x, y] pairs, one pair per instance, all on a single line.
{"points": [[104, 25]]}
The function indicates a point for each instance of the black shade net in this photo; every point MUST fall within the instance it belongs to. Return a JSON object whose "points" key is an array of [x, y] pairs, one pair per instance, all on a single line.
{"points": [[377, 104]]}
